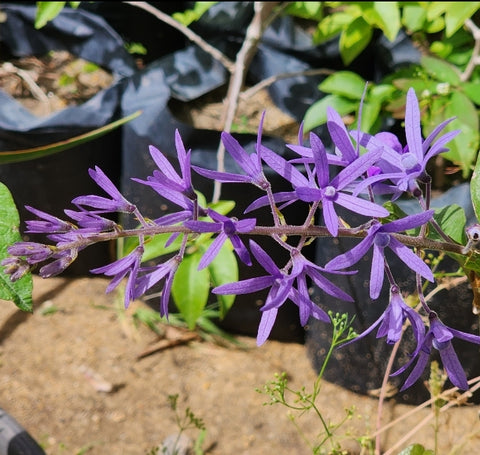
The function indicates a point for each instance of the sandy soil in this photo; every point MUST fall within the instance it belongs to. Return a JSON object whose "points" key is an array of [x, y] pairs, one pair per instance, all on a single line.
{"points": [[72, 376]]}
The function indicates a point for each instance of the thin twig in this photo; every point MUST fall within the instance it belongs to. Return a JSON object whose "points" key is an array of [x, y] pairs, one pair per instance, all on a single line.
{"points": [[474, 59], [261, 20], [277, 77], [192, 36]]}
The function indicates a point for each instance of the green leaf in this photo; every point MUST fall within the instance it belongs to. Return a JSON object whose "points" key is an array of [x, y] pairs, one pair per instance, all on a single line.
{"points": [[418, 85], [388, 18], [414, 16], [47, 11], [464, 147], [472, 90], [452, 220], [224, 269], [192, 15], [416, 449], [344, 83], [16, 156], [222, 207], [190, 288], [475, 188], [354, 39], [20, 291], [331, 26], [456, 13], [306, 10], [440, 70], [317, 113]]}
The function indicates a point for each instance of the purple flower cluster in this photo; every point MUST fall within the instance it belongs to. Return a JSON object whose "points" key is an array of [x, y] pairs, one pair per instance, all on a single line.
{"points": [[361, 168]]}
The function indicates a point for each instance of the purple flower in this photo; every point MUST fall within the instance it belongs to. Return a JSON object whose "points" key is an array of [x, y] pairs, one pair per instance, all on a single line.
{"points": [[380, 237], [32, 251], [250, 163], [15, 267], [392, 319], [167, 182], [406, 166], [440, 337], [47, 223], [117, 203], [91, 222], [62, 260], [128, 265], [227, 228], [155, 274], [324, 190], [281, 289]]}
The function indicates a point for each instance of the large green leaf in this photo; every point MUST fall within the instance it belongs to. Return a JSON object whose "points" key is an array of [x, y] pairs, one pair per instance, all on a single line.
{"points": [[20, 292], [344, 83], [452, 220], [464, 147], [190, 288], [16, 156], [387, 18], [354, 39], [316, 114], [331, 26], [475, 188], [472, 90], [456, 13], [440, 70]]}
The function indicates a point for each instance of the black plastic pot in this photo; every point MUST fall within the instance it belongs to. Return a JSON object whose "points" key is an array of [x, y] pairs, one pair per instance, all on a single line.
{"points": [[360, 366], [50, 183]]}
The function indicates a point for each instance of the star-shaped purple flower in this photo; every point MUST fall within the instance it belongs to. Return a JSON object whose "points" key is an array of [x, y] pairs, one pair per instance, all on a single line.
{"points": [[128, 265], [227, 228], [392, 319], [322, 188], [380, 237], [439, 336], [117, 203]]}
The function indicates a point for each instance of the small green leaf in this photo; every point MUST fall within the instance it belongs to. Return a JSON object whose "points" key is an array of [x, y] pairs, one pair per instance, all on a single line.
{"points": [[464, 147], [452, 220], [456, 13], [19, 292], [192, 15], [331, 26], [472, 90], [16, 156], [224, 269], [316, 114], [47, 11], [388, 18], [190, 288], [354, 39], [440, 70], [414, 16], [475, 188], [416, 449], [419, 85], [344, 83], [306, 10]]}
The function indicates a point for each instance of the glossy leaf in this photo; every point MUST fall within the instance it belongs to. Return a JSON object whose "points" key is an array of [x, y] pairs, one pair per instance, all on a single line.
{"points": [[452, 220], [19, 292], [387, 18], [47, 11], [440, 70], [472, 90], [190, 288], [414, 16], [16, 156], [344, 83], [475, 188], [416, 449], [316, 114], [456, 13], [464, 147], [331, 26], [354, 39]]}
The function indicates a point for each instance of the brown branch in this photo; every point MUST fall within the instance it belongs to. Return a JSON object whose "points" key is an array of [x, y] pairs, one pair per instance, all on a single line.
{"points": [[192, 36], [475, 58]]}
